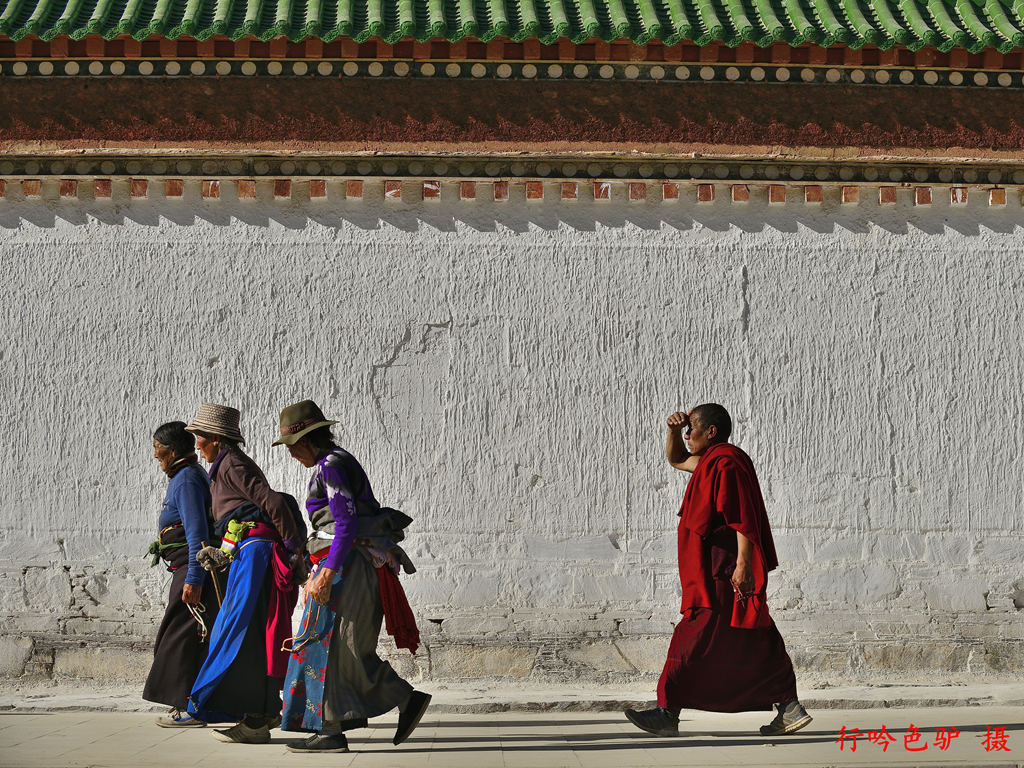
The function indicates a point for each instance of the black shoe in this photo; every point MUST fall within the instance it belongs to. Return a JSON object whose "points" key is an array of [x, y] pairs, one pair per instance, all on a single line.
{"points": [[319, 742], [410, 718], [658, 721]]}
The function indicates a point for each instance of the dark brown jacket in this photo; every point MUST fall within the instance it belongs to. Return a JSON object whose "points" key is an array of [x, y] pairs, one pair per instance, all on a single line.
{"points": [[235, 479]]}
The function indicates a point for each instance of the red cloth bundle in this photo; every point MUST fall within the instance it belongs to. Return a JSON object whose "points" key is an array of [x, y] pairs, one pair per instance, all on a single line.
{"points": [[398, 618]]}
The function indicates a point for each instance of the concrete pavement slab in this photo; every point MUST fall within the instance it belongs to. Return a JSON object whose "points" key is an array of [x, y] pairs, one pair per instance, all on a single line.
{"points": [[538, 740]]}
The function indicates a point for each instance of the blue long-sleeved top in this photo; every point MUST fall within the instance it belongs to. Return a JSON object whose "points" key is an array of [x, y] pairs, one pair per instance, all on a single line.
{"points": [[187, 502]]}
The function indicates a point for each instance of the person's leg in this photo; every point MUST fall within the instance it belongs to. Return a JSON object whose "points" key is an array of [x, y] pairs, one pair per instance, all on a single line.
{"points": [[177, 654], [359, 684]]}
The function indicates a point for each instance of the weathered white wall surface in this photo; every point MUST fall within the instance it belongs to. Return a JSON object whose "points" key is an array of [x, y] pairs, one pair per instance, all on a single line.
{"points": [[504, 371]]}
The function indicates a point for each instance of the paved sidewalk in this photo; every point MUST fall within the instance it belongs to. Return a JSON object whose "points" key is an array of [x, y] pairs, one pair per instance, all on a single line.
{"points": [[488, 696], [522, 740]]}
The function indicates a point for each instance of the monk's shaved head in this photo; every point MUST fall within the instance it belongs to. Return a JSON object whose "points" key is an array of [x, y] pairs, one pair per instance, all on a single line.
{"points": [[713, 414]]}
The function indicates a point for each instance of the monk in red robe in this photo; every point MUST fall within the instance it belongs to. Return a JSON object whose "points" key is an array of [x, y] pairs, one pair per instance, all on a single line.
{"points": [[726, 653]]}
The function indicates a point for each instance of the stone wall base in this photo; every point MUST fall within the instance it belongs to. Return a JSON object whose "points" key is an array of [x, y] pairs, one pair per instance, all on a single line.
{"points": [[598, 661]]}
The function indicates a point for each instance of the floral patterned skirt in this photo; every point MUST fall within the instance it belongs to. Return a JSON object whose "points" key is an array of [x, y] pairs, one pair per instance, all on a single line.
{"points": [[307, 667]]}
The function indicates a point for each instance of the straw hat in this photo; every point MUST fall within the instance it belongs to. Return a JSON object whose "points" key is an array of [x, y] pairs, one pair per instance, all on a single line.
{"points": [[219, 420], [298, 420]]}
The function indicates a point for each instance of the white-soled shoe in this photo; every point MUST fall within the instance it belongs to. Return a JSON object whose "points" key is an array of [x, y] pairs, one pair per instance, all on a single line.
{"points": [[791, 718]]}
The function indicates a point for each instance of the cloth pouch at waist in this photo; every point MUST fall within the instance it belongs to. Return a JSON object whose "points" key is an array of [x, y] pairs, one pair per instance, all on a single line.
{"points": [[173, 547], [381, 530], [243, 513]]}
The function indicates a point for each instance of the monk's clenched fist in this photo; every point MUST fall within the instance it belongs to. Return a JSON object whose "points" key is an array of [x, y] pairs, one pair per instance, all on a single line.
{"points": [[679, 420]]}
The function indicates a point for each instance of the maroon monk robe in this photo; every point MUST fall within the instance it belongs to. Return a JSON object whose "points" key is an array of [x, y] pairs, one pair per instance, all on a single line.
{"points": [[726, 654]]}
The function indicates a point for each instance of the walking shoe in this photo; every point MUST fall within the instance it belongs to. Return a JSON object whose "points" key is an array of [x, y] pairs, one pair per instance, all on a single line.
{"points": [[659, 721], [275, 722], [410, 717], [791, 718], [243, 734], [178, 719], [320, 742]]}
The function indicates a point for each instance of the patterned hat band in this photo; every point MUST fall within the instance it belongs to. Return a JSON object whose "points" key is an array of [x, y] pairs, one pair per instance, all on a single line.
{"points": [[291, 429]]}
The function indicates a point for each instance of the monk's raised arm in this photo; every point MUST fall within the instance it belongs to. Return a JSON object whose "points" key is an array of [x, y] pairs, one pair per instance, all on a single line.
{"points": [[675, 445]]}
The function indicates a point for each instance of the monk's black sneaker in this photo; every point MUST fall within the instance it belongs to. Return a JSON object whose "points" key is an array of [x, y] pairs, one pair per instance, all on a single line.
{"points": [[658, 721], [410, 717], [320, 742], [791, 718]]}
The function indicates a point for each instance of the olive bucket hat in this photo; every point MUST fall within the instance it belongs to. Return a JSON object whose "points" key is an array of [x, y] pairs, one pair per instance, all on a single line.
{"points": [[298, 420], [219, 420]]}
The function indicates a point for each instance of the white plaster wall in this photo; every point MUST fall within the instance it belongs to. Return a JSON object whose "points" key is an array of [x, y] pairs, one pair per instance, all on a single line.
{"points": [[503, 371]]}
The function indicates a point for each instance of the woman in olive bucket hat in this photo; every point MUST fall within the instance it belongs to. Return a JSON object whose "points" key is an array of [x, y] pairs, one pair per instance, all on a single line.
{"points": [[335, 678], [244, 670]]}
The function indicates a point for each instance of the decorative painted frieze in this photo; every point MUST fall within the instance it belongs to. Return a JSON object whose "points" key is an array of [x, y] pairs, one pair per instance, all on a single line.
{"points": [[412, 191]]}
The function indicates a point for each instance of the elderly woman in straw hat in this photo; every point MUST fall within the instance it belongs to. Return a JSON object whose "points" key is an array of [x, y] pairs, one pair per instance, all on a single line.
{"points": [[243, 673], [335, 678], [183, 527]]}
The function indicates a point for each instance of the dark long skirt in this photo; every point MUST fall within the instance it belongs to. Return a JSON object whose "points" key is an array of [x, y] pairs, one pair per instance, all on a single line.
{"points": [[716, 667], [179, 650], [358, 683]]}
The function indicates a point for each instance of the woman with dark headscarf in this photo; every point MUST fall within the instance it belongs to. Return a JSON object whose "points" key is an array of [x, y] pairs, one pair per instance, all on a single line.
{"points": [[191, 608]]}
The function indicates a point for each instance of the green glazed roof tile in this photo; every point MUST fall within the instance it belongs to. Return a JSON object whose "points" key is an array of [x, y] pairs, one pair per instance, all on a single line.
{"points": [[943, 24]]}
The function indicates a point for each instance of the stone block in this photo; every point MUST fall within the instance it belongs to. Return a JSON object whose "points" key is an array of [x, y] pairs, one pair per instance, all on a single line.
{"points": [[1004, 549], [850, 585], [556, 626], [940, 656], [834, 661], [791, 548], [463, 627], [594, 548], [424, 590], [47, 589], [110, 593], [35, 624], [479, 590], [644, 654], [481, 661], [896, 547], [19, 549], [107, 665], [847, 547], [408, 667], [12, 595], [1006, 657], [14, 654], [956, 593], [609, 587], [544, 586], [948, 548], [600, 657]]}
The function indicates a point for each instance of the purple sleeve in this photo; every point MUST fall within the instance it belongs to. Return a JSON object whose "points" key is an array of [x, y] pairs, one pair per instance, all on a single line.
{"points": [[343, 509]]}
